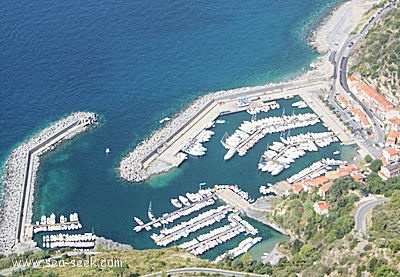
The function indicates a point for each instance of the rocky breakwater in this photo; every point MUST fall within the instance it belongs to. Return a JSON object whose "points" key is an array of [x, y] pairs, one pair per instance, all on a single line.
{"points": [[132, 166], [19, 177]]}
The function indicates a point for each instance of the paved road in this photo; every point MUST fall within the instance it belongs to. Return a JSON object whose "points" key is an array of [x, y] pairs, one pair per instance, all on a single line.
{"points": [[205, 270], [362, 211], [340, 86]]}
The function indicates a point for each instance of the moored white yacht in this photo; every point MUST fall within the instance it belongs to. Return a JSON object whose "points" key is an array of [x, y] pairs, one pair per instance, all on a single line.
{"points": [[184, 200], [176, 203], [138, 220], [231, 152]]}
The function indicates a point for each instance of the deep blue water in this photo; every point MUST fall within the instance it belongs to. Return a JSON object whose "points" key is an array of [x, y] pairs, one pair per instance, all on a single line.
{"points": [[134, 62]]}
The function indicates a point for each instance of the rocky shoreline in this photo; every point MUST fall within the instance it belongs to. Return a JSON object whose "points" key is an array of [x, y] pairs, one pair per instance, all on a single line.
{"points": [[107, 245], [15, 176]]}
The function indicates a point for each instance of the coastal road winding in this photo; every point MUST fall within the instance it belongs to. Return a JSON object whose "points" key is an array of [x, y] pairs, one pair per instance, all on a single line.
{"points": [[204, 270], [340, 83], [360, 217]]}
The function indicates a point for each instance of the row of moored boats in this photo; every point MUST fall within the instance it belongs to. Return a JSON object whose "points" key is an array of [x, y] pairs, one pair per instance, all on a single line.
{"points": [[183, 229], [201, 199], [49, 223], [195, 146], [316, 169], [212, 238], [266, 107], [219, 235], [280, 155], [86, 240], [242, 248], [250, 132], [300, 104]]}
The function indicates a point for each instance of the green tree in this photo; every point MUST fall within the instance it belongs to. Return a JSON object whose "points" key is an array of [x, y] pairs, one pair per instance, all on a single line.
{"points": [[246, 258], [375, 165], [394, 245], [386, 271], [296, 245], [368, 158], [376, 263], [375, 184]]}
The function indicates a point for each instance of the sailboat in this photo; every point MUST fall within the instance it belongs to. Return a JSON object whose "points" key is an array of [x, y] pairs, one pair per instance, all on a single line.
{"points": [[223, 140], [150, 213]]}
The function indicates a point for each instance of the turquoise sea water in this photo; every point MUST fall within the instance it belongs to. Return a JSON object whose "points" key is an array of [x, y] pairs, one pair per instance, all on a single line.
{"points": [[135, 62]]}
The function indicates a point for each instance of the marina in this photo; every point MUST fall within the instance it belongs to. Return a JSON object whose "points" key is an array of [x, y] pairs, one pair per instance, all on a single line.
{"points": [[49, 223], [162, 150], [220, 235], [65, 185], [214, 237], [184, 204]]}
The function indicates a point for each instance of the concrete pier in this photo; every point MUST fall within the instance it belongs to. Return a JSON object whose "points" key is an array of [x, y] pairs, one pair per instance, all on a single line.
{"points": [[19, 180], [161, 151]]}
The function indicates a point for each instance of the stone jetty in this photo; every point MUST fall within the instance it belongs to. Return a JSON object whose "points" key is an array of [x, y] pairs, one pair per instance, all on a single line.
{"points": [[19, 178]]}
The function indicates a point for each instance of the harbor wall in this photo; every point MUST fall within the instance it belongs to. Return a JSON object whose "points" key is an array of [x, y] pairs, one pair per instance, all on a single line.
{"points": [[19, 180], [183, 126], [29, 183]]}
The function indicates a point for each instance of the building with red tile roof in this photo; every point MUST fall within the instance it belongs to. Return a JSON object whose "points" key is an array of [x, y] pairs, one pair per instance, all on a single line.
{"points": [[390, 155], [342, 101], [319, 180], [297, 188], [347, 170], [326, 181], [308, 184], [375, 101], [361, 116], [324, 189], [358, 177], [394, 124], [389, 170], [392, 139], [321, 207]]}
